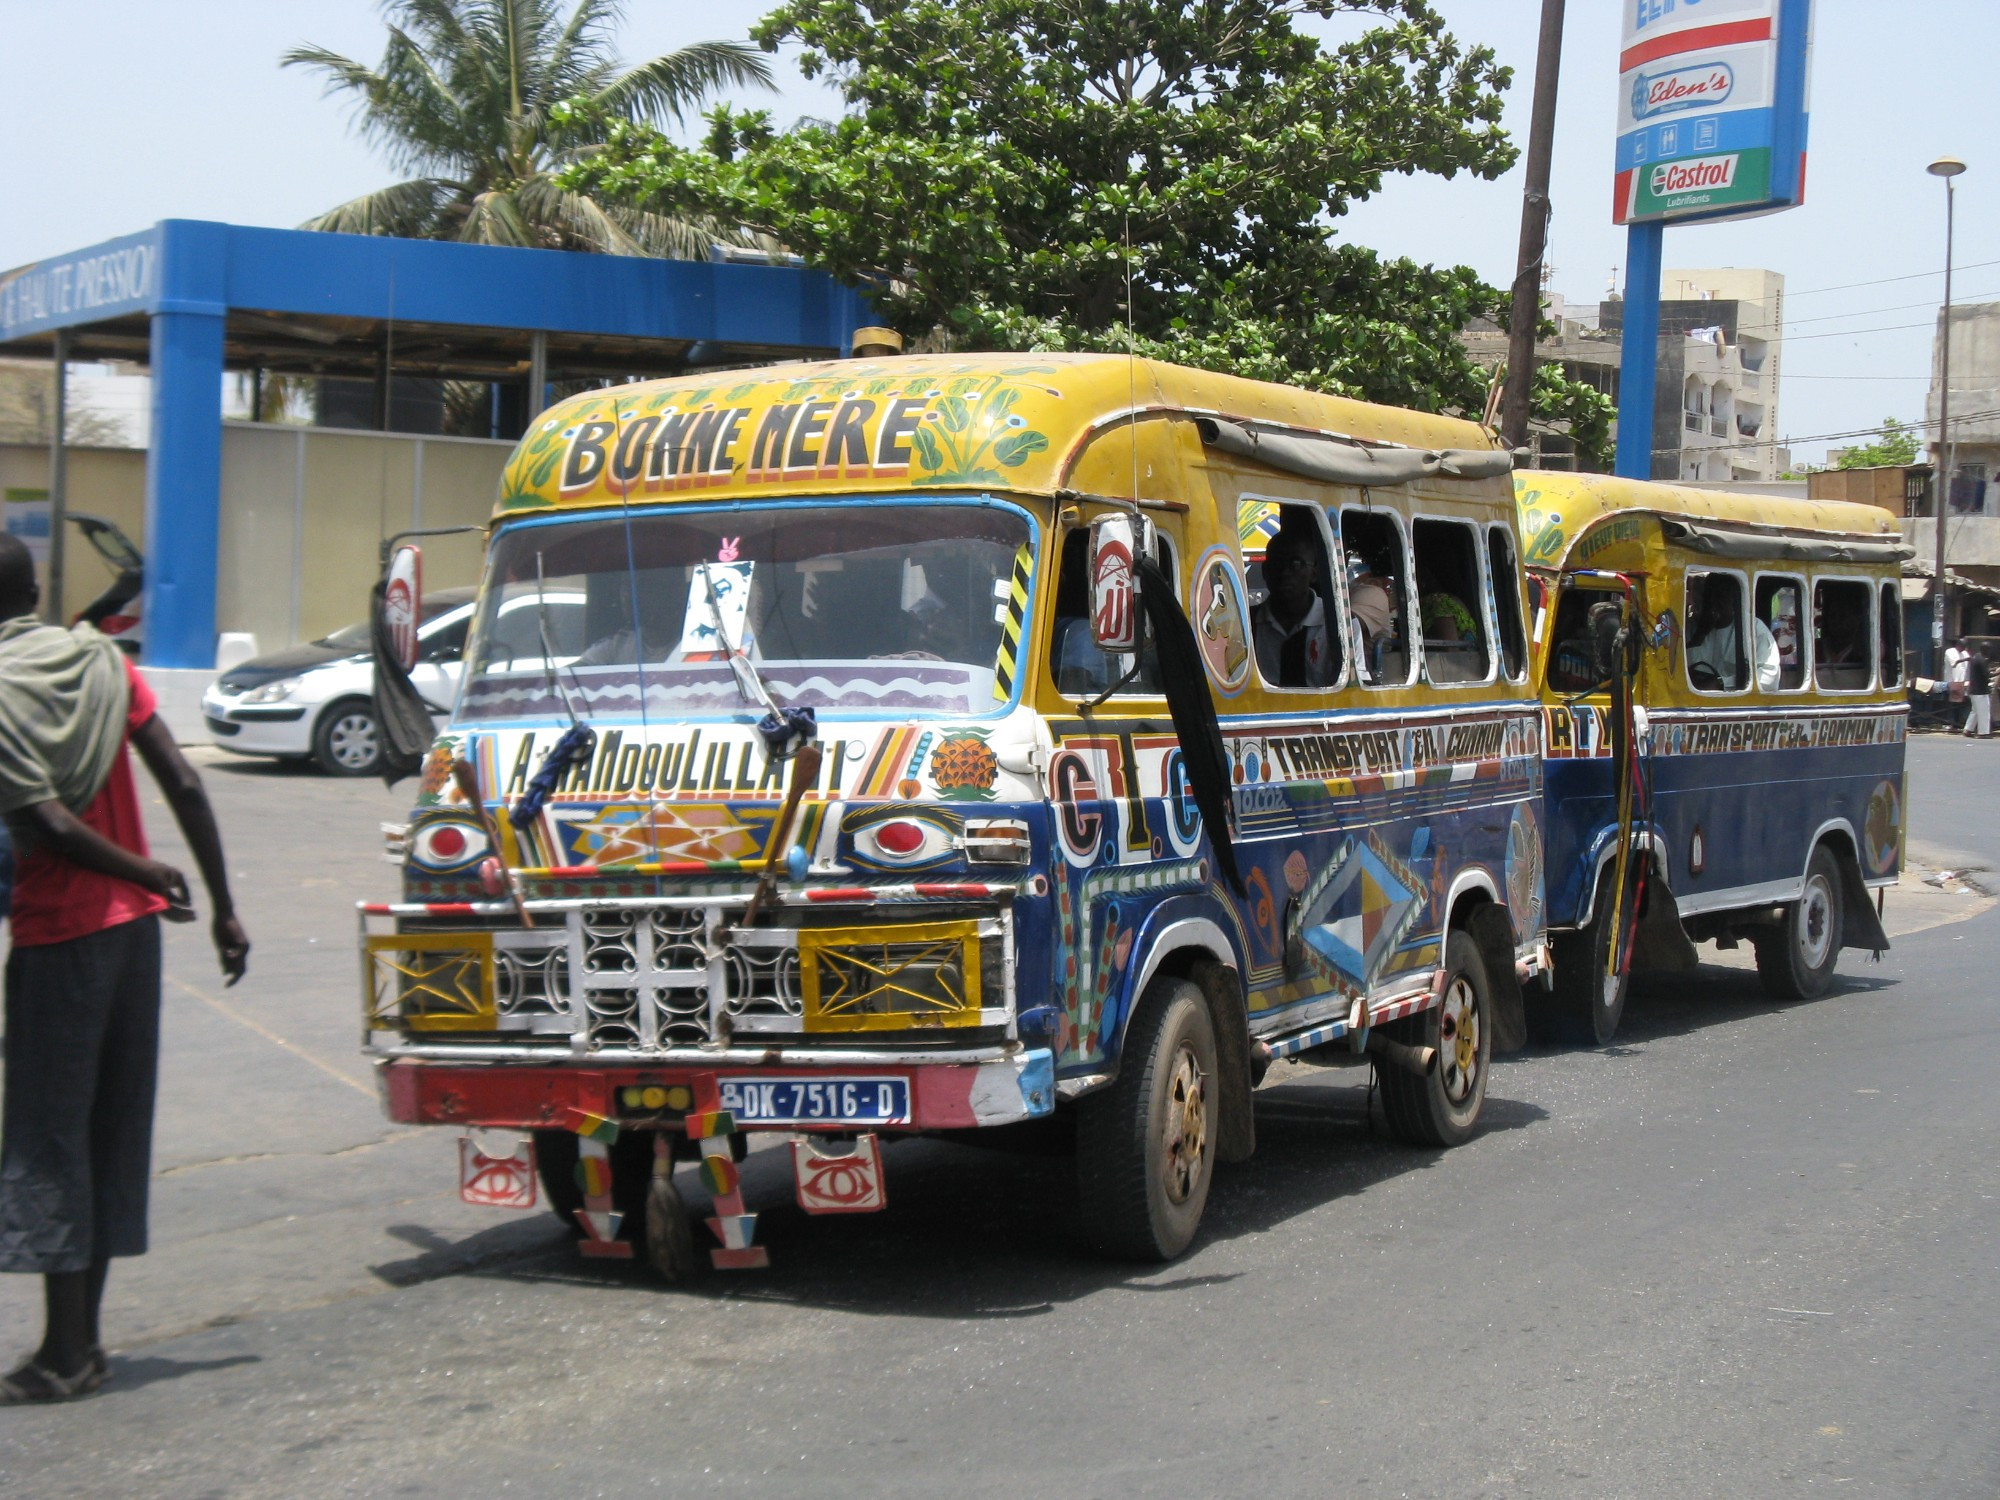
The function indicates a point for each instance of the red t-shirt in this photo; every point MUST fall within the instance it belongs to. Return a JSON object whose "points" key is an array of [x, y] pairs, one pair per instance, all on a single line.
{"points": [[55, 900]]}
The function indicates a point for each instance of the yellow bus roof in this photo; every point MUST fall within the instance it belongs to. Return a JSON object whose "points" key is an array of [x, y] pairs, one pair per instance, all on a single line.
{"points": [[1557, 509], [1015, 422]]}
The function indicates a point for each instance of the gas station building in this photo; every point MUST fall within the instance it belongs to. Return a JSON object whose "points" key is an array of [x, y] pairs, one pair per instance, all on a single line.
{"points": [[272, 529]]}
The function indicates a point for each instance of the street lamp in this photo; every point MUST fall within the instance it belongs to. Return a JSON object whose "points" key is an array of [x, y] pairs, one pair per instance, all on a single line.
{"points": [[1946, 167]]}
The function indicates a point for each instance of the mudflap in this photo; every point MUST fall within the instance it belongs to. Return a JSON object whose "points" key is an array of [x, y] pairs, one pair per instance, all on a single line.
{"points": [[1861, 927], [1236, 1135], [1492, 930], [1662, 945]]}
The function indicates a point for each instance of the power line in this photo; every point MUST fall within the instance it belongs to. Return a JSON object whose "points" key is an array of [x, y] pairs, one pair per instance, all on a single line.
{"points": [[1886, 280], [1826, 437], [1850, 333], [1861, 312]]}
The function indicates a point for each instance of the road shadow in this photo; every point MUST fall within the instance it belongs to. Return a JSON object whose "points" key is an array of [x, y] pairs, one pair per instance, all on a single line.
{"points": [[1661, 1006], [995, 1233], [134, 1373], [267, 767], [521, 1235]]}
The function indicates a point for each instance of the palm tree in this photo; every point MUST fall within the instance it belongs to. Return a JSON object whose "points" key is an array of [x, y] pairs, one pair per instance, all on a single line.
{"points": [[465, 99]]}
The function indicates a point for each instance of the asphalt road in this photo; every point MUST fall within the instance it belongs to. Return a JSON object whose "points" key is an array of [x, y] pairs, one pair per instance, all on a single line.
{"points": [[1750, 1249]]}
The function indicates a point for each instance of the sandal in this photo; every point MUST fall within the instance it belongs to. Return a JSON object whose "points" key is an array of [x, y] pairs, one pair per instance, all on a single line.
{"points": [[35, 1382]]}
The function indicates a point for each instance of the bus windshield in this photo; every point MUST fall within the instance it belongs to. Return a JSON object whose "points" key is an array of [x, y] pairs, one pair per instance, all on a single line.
{"points": [[864, 607]]}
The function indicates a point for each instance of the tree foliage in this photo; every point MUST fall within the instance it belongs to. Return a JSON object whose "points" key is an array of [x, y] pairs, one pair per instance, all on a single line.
{"points": [[1895, 448], [1160, 175], [465, 98]]}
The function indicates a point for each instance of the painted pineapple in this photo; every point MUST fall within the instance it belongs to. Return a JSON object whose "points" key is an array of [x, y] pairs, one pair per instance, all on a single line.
{"points": [[965, 767]]}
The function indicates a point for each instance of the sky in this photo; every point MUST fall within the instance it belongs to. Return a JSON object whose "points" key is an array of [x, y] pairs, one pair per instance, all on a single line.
{"points": [[118, 113]]}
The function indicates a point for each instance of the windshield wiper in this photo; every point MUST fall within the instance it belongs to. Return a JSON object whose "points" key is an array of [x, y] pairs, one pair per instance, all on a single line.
{"points": [[782, 729]]}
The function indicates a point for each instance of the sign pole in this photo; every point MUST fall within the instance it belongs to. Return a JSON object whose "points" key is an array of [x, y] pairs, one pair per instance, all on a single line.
{"points": [[1639, 351], [58, 477]]}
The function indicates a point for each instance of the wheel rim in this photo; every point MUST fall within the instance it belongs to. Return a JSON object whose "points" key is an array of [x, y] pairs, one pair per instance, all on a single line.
{"points": [[351, 741], [1458, 1040], [1815, 922], [1184, 1143]]}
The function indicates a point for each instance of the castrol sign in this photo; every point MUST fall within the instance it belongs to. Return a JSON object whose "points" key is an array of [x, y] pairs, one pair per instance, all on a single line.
{"points": [[1712, 108], [1685, 176]]}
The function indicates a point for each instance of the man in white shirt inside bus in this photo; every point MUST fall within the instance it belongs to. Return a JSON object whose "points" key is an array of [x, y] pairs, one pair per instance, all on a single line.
{"points": [[1715, 647]]}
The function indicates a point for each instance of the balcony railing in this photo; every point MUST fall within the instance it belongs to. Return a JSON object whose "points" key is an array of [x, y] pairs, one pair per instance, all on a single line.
{"points": [[1692, 421], [1718, 426]]}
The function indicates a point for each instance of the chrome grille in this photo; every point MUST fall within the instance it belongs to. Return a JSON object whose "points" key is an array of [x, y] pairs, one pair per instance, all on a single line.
{"points": [[653, 977], [531, 982]]}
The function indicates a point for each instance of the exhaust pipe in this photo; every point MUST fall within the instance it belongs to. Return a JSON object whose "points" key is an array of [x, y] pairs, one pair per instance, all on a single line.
{"points": [[1416, 1060]]}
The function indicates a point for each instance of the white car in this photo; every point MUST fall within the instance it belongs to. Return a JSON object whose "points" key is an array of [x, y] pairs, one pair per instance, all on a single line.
{"points": [[317, 700]]}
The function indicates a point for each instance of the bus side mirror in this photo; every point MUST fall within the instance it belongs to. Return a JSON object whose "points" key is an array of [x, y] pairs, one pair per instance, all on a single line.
{"points": [[1606, 620], [1115, 541], [401, 602]]}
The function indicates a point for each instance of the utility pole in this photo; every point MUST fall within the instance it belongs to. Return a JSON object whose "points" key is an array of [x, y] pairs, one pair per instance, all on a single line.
{"points": [[1946, 167], [1527, 309]]}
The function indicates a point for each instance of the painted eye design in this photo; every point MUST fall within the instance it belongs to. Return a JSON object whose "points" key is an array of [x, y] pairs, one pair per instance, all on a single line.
{"points": [[447, 844], [903, 842]]}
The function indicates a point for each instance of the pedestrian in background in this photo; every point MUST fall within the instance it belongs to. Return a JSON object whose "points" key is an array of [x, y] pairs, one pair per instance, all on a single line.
{"points": [[83, 979], [1958, 681], [1979, 694]]}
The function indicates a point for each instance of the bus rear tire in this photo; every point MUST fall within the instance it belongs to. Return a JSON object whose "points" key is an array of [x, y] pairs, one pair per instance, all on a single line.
{"points": [[1442, 1107], [1145, 1146], [1796, 958]]}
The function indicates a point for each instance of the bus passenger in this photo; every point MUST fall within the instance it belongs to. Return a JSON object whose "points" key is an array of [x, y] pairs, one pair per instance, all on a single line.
{"points": [[1714, 658], [1289, 624]]}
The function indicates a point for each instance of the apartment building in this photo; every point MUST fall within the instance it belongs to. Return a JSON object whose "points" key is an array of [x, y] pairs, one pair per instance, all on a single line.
{"points": [[1715, 394]]}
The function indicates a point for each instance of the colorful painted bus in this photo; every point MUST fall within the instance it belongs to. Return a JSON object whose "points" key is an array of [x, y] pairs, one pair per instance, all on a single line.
{"points": [[1722, 676], [855, 749]]}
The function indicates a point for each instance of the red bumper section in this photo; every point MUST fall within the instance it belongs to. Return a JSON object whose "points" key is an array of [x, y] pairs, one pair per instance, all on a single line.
{"points": [[950, 1096]]}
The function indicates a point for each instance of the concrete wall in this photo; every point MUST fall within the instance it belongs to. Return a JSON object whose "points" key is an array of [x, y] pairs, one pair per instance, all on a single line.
{"points": [[1975, 376], [303, 512]]}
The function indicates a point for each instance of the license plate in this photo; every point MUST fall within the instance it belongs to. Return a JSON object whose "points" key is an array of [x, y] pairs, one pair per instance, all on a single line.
{"points": [[818, 1100]]}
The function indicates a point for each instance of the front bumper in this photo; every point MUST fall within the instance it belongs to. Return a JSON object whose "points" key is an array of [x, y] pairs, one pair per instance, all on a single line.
{"points": [[1019, 1085], [257, 728]]}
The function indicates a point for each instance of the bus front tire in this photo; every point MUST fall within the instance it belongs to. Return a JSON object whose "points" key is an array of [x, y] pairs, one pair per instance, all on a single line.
{"points": [[1796, 958], [631, 1174], [1145, 1147], [1587, 1004], [1441, 1108]]}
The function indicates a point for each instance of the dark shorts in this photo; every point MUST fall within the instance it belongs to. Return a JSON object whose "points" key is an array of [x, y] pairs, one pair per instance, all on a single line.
{"points": [[76, 1141]]}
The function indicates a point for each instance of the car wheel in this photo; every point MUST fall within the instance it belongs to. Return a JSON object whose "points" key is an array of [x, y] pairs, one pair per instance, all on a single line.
{"points": [[347, 740]]}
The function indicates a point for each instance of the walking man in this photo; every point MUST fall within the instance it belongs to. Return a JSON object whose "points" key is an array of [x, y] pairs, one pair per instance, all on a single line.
{"points": [[83, 979], [1958, 681], [1979, 691]]}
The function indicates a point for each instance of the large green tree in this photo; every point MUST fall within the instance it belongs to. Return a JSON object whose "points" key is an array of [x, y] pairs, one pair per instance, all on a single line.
{"points": [[1087, 174], [1896, 447], [464, 99]]}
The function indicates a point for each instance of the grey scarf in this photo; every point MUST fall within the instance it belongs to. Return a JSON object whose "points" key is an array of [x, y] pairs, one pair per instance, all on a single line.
{"points": [[63, 701]]}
